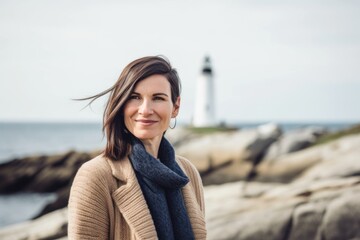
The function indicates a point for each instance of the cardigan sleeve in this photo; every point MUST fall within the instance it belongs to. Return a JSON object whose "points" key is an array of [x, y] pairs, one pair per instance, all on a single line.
{"points": [[88, 204]]}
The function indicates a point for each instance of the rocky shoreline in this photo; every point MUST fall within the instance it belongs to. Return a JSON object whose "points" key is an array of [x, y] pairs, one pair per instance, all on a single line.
{"points": [[261, 183]]}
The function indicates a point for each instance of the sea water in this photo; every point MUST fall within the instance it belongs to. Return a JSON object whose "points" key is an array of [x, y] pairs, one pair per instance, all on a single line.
{"points": [[16, 208], [18, 140], [23, 139]]}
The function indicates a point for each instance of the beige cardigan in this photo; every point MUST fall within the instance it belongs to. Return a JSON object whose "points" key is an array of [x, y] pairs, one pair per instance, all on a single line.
{"points": [[106, 202]]}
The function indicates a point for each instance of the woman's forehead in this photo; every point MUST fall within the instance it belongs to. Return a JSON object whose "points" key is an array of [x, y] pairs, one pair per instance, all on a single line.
{"points": [[153, 83]]}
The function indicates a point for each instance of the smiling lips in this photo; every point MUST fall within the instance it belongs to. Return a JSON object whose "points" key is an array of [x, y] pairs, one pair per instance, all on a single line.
{"points": [[146, 122]]}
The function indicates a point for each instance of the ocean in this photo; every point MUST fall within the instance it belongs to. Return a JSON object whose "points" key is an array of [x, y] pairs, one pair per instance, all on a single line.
{"points": [[22, 139], [18, 140]]}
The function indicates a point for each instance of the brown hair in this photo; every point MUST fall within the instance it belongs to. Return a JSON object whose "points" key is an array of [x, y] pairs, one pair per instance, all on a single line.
{"points": [[117, 136]]}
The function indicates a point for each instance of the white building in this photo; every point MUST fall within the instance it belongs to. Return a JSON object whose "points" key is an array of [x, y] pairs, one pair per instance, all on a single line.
{"points": [[204, 115]]}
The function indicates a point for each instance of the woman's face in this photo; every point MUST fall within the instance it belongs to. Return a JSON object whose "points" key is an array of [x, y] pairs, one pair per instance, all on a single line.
{"points": [[148, 111]]}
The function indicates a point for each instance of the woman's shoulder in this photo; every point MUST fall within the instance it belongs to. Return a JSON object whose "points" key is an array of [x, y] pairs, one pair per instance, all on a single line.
{"points": [[185, 162], [95, 168], [187, 165], [95, 163]]}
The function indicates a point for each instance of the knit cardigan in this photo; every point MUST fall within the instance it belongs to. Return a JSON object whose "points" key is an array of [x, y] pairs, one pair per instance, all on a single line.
{"points": [[106, 202]]}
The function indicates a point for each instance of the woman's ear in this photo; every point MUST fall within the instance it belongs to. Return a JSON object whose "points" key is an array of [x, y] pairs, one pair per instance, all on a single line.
{"points": [[176, 108]]}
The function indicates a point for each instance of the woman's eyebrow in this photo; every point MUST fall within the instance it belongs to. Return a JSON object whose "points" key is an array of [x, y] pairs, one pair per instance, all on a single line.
{"points": [[162, 94], [155, 94]]}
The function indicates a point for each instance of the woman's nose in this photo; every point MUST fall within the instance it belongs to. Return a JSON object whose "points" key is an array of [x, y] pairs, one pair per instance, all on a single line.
{"points": [[146, 108]]}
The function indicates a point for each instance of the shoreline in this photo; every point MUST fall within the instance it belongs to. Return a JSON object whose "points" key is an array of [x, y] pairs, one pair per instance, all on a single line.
{"points": [[48, 138]]}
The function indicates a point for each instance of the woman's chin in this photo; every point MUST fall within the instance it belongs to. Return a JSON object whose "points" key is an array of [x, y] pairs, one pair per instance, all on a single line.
{"points": [[144, 134], [148, 136]]}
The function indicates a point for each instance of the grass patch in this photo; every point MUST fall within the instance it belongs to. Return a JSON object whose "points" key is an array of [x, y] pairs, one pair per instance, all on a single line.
{"points": [[336, 135], [209, 130]]}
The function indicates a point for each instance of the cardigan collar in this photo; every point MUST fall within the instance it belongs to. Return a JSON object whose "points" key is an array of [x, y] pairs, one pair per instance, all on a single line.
{"points": [[130, 201]]}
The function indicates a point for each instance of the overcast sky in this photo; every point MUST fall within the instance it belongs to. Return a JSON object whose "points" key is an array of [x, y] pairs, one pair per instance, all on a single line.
{"points": [[273, 60]]}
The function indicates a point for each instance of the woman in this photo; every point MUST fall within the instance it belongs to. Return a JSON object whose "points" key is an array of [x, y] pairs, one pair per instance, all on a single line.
{"points": [[138, 188]]}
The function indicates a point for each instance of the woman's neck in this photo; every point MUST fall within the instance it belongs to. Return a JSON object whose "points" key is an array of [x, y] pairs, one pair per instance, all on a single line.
{"points": [[152, 146]]}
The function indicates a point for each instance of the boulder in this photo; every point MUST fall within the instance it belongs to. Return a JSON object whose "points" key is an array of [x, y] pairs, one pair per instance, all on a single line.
{"points": [[337, 158], [210, 152], [61, 201], [306, 220], [313, 210], [342, 217], [179, 135], [228, 156], [50, 226], [324, 209], [41, 173], [294, 140]]}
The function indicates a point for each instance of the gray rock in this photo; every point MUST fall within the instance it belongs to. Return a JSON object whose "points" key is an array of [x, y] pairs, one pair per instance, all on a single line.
{"points": [[293, 141], [179, 135], [230, 156], [50, 226], [326, 209], [337, 158], [211, 151], [306, 220], [267, 135], [41, 173], [342, 218]]}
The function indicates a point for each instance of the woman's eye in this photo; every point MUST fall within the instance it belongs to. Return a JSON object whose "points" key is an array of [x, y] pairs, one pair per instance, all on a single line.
{"points": [[135, 97], [159, 98]]}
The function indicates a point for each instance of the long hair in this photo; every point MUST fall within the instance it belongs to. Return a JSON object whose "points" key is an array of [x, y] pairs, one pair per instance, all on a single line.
{"points": [[117, 136]]}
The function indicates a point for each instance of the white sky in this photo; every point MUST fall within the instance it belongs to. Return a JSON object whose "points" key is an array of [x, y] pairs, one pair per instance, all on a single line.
{"points": [[278, 61]]}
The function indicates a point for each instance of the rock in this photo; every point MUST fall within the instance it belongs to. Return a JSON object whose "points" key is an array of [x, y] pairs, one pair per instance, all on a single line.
{"points": [[339, 159], [212, 151], [309, 164], [179, 135], [228, 156], [293, 141], [306, 220], [232, 193], [326, 209], [60, 202], [342, 218], [228, 172], [41, 173], [50, 226], [348, 166], [312, 210], [289, 166], [267, 135]]}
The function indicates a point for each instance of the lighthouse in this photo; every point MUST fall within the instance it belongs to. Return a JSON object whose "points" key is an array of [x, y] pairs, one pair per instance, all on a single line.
{"points": [[204, 115]]}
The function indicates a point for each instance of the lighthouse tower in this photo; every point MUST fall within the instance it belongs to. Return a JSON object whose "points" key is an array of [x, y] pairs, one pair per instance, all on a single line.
{"points": [[204, 115]]}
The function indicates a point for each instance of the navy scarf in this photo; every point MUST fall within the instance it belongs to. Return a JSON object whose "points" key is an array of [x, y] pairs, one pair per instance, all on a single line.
{"points": [[161, 183]]}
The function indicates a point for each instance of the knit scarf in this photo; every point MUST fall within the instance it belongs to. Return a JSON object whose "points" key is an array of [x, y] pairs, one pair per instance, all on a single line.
{"points": [[161, 183]]}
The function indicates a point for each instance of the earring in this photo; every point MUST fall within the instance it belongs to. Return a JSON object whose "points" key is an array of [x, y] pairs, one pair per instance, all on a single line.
{"points": [[174, 125]]}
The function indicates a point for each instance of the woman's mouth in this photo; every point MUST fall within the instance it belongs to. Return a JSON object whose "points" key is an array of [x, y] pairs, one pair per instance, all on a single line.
{"points": [[146, 122]]}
